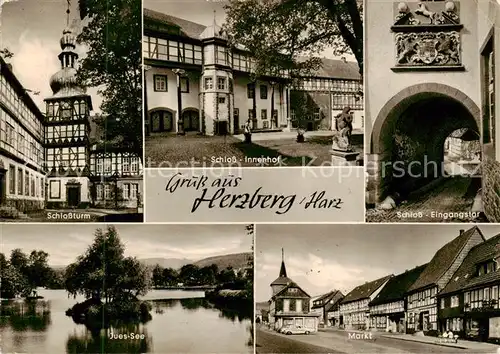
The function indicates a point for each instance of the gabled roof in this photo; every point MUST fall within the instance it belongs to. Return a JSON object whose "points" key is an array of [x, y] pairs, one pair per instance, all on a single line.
{"points": [[324, 296], [330, 68], [364, 291], [465, 275], [443, 259], [334, 301], [339, 69], [290, 285], [188, 28], [397, 286]]}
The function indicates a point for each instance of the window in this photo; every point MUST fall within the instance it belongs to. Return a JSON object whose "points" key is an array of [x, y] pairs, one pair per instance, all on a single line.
{"points": [[184, 85], [99, 165], [161, 82], [27, 184], [126, 191], [251, 90], [209, 83], [221, 83], [133, 190], [11, 137], [126, 165], [42, 188], [251, 114], [222, 100], [454, 301], [12, 179], [107, 166], [107, 191], [135, 165], [263, 92], [317, 115], [99, 192], [20, 181], [263, 114], [32, 178], [54, 187], [442, 303]]}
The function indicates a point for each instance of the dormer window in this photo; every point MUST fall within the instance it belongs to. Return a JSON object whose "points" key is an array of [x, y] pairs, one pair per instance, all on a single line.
{"points": [[293, 290], [485, 268]]}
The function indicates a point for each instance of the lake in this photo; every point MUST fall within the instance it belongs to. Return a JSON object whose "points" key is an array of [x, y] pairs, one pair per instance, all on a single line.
{"points": [[182, 322]]}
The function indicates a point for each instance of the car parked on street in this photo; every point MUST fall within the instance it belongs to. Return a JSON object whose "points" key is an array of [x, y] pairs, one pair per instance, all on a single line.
{"points": [[294, 330]]}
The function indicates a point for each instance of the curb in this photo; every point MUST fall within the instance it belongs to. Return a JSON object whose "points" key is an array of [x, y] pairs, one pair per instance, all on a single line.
{"points": [[449, 345]]}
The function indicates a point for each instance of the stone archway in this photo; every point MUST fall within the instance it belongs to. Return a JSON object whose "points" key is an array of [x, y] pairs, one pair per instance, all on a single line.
{"points": [[410, 130]]}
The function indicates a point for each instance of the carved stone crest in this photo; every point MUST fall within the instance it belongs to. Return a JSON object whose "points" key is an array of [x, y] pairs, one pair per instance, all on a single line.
{"points": [[428, 48]]}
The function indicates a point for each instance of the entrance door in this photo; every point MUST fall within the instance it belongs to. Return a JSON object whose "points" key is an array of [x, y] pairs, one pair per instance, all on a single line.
{"points": [[73, 196], [191, 120]]}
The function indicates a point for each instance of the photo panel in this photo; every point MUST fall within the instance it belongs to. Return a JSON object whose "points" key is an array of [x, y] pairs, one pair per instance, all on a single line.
{"points": [[71, 138], [127, 288], [430, 93], [342, 289], [226, 88]]}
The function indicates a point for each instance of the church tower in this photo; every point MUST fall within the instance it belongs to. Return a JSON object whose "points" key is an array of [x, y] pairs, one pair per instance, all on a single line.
{"points": [[282, 281], [216, 91], [67, 131]]}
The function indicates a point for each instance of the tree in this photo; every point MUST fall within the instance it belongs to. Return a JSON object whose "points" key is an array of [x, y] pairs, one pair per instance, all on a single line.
{"points": [[189, 274], [279, 32], [104, 273], [158, 279], [113, 63], [170, 276]]}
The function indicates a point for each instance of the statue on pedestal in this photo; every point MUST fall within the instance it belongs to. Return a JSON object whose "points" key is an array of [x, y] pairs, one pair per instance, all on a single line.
{"points": [[341, 140]]}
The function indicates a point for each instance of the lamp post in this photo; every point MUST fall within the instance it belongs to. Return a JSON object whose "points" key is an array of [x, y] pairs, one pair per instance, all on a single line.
{"points": [[180, 121]]}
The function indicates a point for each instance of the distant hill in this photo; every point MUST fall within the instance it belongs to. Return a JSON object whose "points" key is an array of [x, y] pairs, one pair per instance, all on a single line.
{"points": [[236, 260], [174, 263]]}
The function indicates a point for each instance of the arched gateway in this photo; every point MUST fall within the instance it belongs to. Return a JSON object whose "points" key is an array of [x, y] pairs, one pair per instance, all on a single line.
{"points": [[407, 142]]}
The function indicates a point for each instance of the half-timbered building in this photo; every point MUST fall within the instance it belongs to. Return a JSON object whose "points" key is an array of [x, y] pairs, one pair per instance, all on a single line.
{"points": [[354, 308], [328, 307], [423, 293], [388, 308], [195, 81], [22, 174], [290, 305], [469, 304]]}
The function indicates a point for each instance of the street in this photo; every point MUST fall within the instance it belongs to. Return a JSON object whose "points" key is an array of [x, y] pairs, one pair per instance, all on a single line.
{"points": [[338, 342]]}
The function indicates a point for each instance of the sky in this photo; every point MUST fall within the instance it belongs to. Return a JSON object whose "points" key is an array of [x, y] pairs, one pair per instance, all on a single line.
{"points": [[64, 242], [31, 29], [202, 12], [321, 258]]}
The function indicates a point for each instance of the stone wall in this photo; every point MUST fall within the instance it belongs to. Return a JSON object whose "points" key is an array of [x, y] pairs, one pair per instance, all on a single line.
{"points": [[491, 189]]}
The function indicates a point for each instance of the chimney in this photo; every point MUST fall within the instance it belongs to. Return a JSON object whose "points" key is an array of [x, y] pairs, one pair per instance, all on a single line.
{"points": [[462, 231]]}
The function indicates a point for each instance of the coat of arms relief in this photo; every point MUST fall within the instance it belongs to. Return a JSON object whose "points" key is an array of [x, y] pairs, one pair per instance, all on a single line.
{"points": [[427, 34]]}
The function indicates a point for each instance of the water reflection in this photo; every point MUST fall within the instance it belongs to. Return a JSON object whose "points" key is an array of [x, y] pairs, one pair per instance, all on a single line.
{"points": [[22, 316], [127, 339], [179, 325]]}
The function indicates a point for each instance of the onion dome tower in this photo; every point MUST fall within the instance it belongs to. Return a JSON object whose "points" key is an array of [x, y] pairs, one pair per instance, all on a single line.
{"points": [[216, 87], [67, 121]]}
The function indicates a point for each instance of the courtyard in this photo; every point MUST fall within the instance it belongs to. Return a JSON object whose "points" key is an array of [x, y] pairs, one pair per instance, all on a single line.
{"points": [[193, 150]]}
